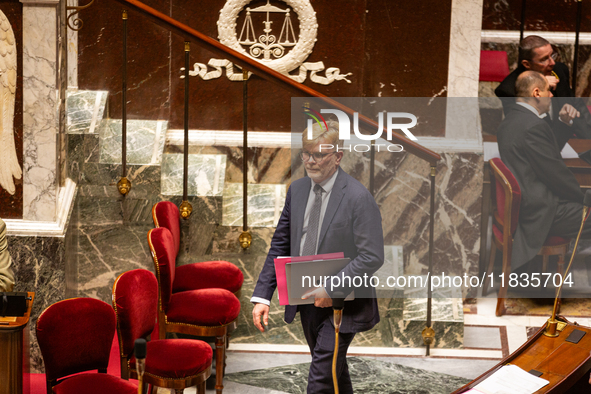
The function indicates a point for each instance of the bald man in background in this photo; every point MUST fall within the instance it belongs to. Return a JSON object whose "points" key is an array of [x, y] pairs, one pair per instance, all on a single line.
{"points": [[6, 274]]}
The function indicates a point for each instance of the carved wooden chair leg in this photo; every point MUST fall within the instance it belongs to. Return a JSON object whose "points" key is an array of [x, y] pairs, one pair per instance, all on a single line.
{"points": [[491, 266], [500, 311], [201, 388], [545, 259], [179, 391], [220, 353]]}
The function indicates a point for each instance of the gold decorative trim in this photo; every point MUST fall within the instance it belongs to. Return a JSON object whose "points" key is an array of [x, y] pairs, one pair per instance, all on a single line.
{"points": [[124, 186], [245, 239], [428, 335], [77, 23], [185, 209]]}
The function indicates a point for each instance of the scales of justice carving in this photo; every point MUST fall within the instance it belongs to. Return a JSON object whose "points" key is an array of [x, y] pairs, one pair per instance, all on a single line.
{"points": [[284, 54], [9, 166]]}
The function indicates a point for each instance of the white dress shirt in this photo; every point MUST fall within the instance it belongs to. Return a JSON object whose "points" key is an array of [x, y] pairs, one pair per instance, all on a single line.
{"points": [[327, 185]]}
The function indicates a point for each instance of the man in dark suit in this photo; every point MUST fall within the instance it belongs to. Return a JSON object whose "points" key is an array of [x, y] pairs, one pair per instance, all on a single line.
{"points": [[551, 198], [536, 53], [349, 221]]}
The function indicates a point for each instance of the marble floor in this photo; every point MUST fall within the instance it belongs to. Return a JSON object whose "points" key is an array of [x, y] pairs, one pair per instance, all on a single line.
{"points": [[487, 339]]}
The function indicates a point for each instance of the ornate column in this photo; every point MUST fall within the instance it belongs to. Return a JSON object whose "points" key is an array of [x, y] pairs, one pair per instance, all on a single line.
{"points": [[40, 110]]}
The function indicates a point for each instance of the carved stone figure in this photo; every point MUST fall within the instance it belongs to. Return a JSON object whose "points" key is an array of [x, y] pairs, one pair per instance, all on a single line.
{"points": [[9, 166]]}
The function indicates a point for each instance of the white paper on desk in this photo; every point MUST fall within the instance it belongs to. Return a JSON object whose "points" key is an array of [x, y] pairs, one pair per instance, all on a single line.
{"points": [[510, 379], [568, 152], [491, 150]]}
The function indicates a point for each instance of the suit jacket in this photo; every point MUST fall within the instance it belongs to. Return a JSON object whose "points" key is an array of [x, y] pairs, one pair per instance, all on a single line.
{"points": [[529, 149], [6, 275], [352, 224], [563, 94]]}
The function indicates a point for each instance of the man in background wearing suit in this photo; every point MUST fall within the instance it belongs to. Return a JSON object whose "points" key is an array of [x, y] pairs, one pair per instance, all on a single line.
{"points": [[536, 53], [551, 198], [6, 275], [349, 221]]}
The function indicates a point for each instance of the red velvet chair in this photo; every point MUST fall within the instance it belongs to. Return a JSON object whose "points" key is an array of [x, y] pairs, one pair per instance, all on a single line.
{"points": [[74, 336], [506, 197], [494, 66], [203, 312], [170, 363], [205, 275]]}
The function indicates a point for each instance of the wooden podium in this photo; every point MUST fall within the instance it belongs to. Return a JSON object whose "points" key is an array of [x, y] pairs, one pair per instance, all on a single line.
{"points": [[564, 363], [11, 350]]}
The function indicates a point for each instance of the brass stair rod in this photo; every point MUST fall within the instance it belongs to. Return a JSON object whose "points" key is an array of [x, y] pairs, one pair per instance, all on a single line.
{"points": [[124, 185], [428, 333], [186, 208], [576, 55], [245, 238], [522, 24], [372, 163]]}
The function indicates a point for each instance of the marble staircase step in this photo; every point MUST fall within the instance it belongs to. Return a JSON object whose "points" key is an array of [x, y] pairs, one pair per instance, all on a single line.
{"points": [[447, 316], [85, 109], [265, 203], [207, 174], [145, 141]]}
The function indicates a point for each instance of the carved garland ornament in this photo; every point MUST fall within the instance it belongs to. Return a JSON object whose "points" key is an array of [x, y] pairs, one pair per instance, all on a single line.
{"points": [[268, 49]]}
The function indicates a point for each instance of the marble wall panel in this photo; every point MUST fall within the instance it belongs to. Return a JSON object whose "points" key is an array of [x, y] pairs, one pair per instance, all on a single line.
{"points": [[39, 266], [220, 100], [11, 206], [544, 15], [40, 170], [374, 40], [402, 192], [394, 32], [99, 59]]}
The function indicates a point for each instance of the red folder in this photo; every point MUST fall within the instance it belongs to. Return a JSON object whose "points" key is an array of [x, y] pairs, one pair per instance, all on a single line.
{"points": [[280, 271]]}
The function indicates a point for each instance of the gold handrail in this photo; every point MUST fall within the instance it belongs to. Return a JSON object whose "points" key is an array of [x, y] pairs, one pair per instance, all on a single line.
{"points": [[267, 73]]}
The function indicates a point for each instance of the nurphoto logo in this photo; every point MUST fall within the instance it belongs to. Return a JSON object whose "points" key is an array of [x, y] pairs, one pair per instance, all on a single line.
{"points": [[345, 129]]}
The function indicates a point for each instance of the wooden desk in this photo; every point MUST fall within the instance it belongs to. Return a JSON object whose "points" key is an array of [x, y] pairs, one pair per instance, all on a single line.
{"points": [[563, 363], [11, 352]]}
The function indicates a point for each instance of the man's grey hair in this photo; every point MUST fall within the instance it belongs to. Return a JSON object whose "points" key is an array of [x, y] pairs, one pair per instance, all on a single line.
{"points": [[321, 134], [527, 46]]}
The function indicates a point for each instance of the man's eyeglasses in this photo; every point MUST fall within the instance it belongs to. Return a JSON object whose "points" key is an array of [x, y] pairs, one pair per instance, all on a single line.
{"points": [[553, 56], [318, 157]]}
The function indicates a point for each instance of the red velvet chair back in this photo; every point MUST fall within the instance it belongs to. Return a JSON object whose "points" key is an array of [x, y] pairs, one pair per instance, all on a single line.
{"points": [[166, 214], [494, 66], [75, 335], [135, 300], [505, 185], [163, 252]]}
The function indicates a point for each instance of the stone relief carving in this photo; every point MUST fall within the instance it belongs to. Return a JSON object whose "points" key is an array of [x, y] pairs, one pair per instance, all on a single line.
{"points": [[267, 48], [9, 166]]}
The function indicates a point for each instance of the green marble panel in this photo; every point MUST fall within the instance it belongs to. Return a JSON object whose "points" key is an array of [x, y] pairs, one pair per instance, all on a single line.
{"points": [[84, 110], [368, 376], [206, 175], [265, 203], [145, 141]]}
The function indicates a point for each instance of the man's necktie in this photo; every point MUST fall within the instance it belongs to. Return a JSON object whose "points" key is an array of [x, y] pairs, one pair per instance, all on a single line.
{"points": [[313, 221]]}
